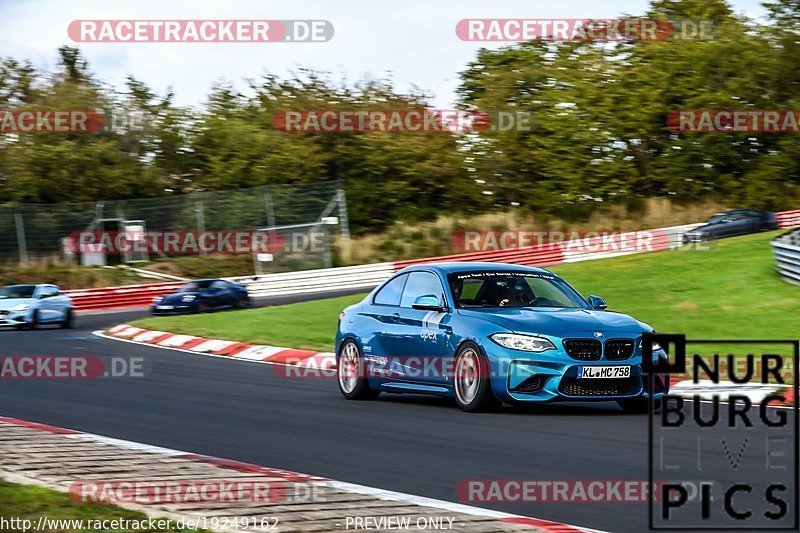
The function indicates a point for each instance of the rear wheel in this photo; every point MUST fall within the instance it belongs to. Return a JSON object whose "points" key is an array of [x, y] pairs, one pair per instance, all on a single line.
{"points": [[350, 374], [472, 385]]}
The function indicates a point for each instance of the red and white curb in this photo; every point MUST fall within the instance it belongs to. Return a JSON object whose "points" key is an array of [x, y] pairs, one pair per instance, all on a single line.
{"points": [[174, 457], [258, 353]]}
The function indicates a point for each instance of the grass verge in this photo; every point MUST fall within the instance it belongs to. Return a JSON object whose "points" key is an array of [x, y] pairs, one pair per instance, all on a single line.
{"points": [[30, 502], [306, 325], [730, 291]]}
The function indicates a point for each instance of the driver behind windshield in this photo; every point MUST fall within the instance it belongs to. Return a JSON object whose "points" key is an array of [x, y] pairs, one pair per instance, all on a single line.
{"points": [[491, 289]]}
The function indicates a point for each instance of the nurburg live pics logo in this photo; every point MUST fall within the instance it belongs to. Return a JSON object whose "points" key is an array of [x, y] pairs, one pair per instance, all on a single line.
{"points": [[740, 447]]}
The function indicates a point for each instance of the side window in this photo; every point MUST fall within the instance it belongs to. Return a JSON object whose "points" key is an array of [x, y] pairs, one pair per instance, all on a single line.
{"points": [[421, 284], [49, 292], [390, 293], [219, 285]]}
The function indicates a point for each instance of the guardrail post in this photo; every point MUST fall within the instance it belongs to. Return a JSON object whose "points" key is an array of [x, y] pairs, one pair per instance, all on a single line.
{"points": [[328, 259], [270, 210], [21, 243], [344, 225], [201, 219]]}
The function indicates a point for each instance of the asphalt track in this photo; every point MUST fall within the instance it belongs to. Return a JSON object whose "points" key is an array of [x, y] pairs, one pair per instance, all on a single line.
{"points": [[418, 445]]}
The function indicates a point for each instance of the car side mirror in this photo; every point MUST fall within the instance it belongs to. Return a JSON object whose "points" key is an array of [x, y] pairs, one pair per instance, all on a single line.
{"points": [[427, 302], [597, 303]]}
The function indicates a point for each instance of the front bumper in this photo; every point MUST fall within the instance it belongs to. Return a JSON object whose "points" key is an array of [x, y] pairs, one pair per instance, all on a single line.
{"points": [[14, 318], [519, 377], [689, 238], [173, 309]]}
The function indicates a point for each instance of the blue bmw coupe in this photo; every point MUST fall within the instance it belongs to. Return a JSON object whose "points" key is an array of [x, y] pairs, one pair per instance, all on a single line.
{"points": [[491, 333]]}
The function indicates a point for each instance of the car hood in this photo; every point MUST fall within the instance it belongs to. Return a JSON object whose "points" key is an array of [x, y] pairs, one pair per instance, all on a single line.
{"points": [[6, 304], [176, 297], [706, 228], [558, 322]]}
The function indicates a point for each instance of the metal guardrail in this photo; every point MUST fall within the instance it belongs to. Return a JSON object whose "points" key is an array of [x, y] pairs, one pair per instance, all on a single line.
{"points": [[317, 281], [787, 256]]}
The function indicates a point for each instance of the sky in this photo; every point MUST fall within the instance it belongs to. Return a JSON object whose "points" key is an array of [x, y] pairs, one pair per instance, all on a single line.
{"points": [[412, 42]]}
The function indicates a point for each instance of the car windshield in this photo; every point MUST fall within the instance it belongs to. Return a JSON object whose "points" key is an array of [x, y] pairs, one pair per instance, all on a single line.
{"points": [[17, 291], [512, 289], [195, 286], [716, 219]]}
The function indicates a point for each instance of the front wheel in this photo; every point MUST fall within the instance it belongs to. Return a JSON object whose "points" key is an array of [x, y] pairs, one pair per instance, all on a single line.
{"points": [[68, 319], [472, 385], [350, 374]]}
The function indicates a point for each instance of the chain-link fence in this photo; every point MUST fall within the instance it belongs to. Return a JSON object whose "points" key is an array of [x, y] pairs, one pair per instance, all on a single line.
{"points": [[306, 216]]}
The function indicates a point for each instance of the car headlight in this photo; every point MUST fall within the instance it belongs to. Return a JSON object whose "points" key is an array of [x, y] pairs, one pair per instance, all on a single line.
{"points": [[525, 343], [188, 298], [21, 307]]}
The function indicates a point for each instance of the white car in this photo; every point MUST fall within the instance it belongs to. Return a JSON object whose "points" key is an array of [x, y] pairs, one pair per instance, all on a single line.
{"points": [[28, 306]]}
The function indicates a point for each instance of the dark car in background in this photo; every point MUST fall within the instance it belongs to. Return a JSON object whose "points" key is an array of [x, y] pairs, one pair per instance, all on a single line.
{"points": [[732, 223], [202, 296]]}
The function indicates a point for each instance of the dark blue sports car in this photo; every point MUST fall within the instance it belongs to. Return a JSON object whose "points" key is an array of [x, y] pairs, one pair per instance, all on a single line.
{"points": [[486, 333], [202, 296]]}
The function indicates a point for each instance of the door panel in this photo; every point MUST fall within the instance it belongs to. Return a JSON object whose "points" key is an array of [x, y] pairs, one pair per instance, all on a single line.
{"points": [[49, 310], [421, 339], [385, 312]]}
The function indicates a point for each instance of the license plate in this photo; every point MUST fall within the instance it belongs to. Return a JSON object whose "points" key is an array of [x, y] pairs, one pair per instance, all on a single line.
{"points": [[604, 372], [165, 307]]}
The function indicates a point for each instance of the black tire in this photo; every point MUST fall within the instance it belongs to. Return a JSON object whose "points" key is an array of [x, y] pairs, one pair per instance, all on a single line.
{"points": [[472, 370], [358, 389], [243, 302], [68, 320], [637, 405], [202, 307], [34, 320]]}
